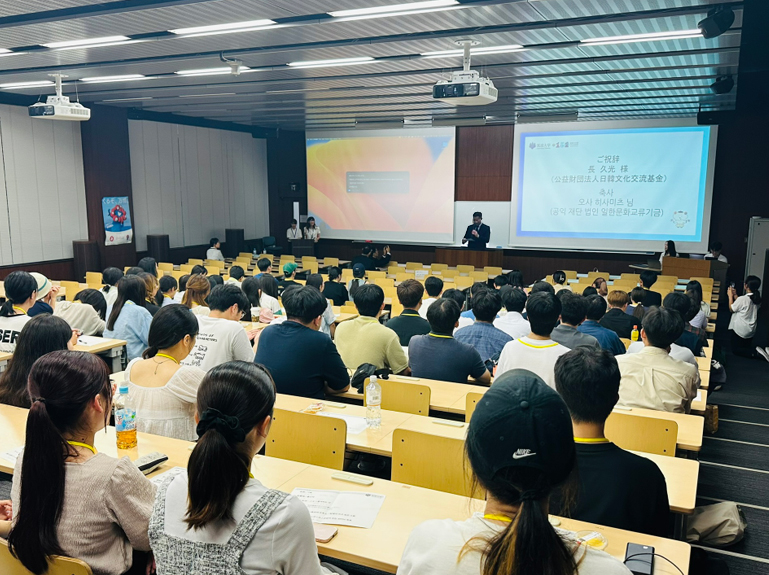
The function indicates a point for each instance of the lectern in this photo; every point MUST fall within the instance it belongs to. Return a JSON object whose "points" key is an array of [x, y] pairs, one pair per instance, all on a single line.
{"points": [[303, 247], [686, 268]]}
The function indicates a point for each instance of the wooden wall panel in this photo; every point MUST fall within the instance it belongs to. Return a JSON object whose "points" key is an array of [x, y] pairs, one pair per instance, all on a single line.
{"points": [[484, 164], [54, 270]]}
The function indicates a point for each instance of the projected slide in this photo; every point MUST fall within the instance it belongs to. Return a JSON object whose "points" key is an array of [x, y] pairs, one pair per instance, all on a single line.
{"points": [[385, 185], [630, 188]]}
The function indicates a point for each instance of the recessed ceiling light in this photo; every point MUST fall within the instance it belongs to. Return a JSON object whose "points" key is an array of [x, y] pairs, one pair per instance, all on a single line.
{"points": [[331, 63], [90, 42], [210, 71], [650, 37], [229, 28], [394, 9], [106, 79], [475, 51], [22, 85]]}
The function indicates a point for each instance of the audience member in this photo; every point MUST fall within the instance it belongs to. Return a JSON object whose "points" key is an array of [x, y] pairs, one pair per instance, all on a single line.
{"points": [[559, 281], [616, 319], [573, 313], [365, 340], [588, 291], [651, 298], [221, 338], [333, 289], [651, 379], [512, 323], [536, 352], [289, 277], [477, 287], [541, 286], [196, 294], [148, 265], [434, 289], [198, 270], [86, 314], [410, 322], [517, 461], [152, 287], [128, 319], [381, 260], [358, 279], [302, 360], [253, 292], [214, 251], [438, 355], [364, 259], [136, 270], [694, 309], [20, 295], [182, 288], [460, 298], [694, 291], [327, 326], [43, 334], [269, 298], [168, 288], [163, 390], [637, 308], [601, 287], [500, 281], [744, 318], [715, 253], [110, 277], [681, 303], [236, 275], [215, 280], [96, 508], [482, 335], [609, 340], [215, 513], [46, 296], [264, 264], [616, 488], [515, 279]]}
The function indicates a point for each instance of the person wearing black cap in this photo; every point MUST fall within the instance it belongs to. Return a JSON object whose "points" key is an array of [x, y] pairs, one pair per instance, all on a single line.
{"points": [[520, 448], [358, 279], [617, 488]]}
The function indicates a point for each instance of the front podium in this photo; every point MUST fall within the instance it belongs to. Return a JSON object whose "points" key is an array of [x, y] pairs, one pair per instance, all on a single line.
{"points": [[303, 247], [454, 256], [686, 268]]}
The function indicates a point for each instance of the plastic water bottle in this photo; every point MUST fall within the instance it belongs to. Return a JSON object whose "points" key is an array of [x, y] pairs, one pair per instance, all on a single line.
{"points": [[125, 419], [255, 253], [634, 334], [373, 403]]}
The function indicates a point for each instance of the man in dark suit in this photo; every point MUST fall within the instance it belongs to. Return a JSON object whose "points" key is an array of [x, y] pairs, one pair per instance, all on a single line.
{"points": [[651, 298], [616, 319], [478, 234]]}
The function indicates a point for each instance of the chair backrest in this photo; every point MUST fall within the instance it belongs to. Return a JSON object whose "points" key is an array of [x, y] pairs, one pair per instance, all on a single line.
{"points": [[449, 274], [285, 258], [376, 274], [244, 254], [348, 309], [176, 274], [438, 267], [215, 263], [628, 276], [570, 274], [667, 278], [9, 565], [463, 282], [309, 259], [414, 265], [471, 400], [72, 289], [95, 278], [195, 262], [310, 267], [479, 276], [346, 274], [403, 276], [384, 282], [493, 270], [331, 262], [162, 266], [549, 279], [626, 342], [214, 270], [186, 268], [405, 397], [309, 438], [396, 308], [430, 461], [391, 292], [706, 282], [639, 433], [462, 269], [268, 241]]}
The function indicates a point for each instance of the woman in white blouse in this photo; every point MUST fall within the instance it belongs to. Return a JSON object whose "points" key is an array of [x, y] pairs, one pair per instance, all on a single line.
{"points": [[311, 232], [163, 390]]}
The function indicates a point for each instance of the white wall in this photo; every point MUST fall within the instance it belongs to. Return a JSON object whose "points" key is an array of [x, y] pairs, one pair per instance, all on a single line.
{"points": [[42, 190], [191, 183]]}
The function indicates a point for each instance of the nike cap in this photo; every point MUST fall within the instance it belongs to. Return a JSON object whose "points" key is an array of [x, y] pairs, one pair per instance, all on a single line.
{"points": [[521, 422]]}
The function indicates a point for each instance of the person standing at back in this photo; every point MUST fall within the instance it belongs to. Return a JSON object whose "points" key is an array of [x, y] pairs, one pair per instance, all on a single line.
{"points": [[609, 340], [214, 250], [616, 319], [512, 323], [20, 296], [744, 320], [410, 322], [573, 313]]}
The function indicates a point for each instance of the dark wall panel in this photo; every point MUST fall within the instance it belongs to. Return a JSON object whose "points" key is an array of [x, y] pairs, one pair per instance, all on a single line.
{"points": [[287, 165], [484, 164], [55, 269]]}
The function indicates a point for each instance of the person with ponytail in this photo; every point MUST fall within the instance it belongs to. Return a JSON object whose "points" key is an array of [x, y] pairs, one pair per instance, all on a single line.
{"points": [[42, 334], [128, 319], [217, 518], [163, 390], [68, 499], [520, 447], [559, 281], [195, 294], [152, 287], [20, 296], [744, 320], [110, 277]]}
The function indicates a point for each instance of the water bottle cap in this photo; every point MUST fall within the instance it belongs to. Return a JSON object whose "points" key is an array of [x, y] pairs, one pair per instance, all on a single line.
{"points": [[123, 388]]}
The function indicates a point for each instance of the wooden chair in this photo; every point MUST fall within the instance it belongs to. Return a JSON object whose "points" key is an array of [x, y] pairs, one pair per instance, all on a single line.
{"points": [[309, 259], [462, 269], [471, 400], [243, 260], [403, 276], [414, 266], [177, 274], [438, 267], [346, 275], [9, 565], [549, 279], [214, 270], [405, 397], [308, 438], [216, 263], [493, 270], [376, 274], [348, 309], [186, 268], [638, 433], [396, 308], [194, 262], [570, 274], [391, 292], [482, 277], [463, 282], [666, 279], [430, 461], [626, 342], [244, 254], [449, 274], [72, 289], [311, 267], [165, 267], [384, 282], [330, 262], [633, 277], [449, 285], [95, 278]]}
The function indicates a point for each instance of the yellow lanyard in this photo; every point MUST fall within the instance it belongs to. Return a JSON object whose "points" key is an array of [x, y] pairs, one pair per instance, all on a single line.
{"points": [[590, 440], [81, 444], [176, 361], [251, 475], [493, 517], [439, 335], [20, 310]]}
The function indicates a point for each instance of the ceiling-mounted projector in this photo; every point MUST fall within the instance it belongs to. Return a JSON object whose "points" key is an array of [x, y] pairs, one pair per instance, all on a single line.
{"points": [[59, 107], [466, 87]]}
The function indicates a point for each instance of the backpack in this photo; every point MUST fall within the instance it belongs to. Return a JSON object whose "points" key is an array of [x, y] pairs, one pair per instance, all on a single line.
{"points": [[364, 371]]}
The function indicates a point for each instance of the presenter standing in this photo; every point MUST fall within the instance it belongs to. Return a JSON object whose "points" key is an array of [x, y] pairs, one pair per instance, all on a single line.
{"points": [[312, 232], [478, 234], [293, 233]]}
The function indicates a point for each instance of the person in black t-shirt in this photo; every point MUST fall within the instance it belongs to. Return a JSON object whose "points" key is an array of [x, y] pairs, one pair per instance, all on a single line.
{"points": [[616, 319], [365, 258], [651, 298], [409, 323], [333, 289], [616, 488], [289, 275]]}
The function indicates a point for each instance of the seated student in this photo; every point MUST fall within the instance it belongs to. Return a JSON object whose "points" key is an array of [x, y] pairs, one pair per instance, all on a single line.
{"points": [[512, 323], [434, 289], [651, 379], [694, 291], [179, 295], [152, 287], [439, 356], [536, 351], [333, 289], [682, 304], [517, 461], [46, 296], [293, 232], [327, 326], [168, 287], [541, 286], [87, 313], [196, 294], [136, 270], [601, 287], [302, 360], [381, 258], [651, 298], [588, 291], [609, 340], [744, 320], [358, 279], [215, 280], [573, 313], [289, 277], [96, 508], [364, 259], [20, 296], [128, 319], [461, 300], [215, 513], [198, 270], [715, 253], [269, 298], [559, 282], [148, 265], [43, 334], [477, 287], [500, 281], [482, 335], [637, 308], [221, 338], [694, 309], [616, 319], [236, 275], [410, 322], [163, 390], [110, 277], [365, 340], [515, 279], [265, 267], [678, 352], [214, 251], [616, 488], [250, 287]]}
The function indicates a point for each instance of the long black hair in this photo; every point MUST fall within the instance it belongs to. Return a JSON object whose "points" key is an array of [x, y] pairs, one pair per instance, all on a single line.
{"points": [[42, 334], [95, 299], [671, 251], [61, 385], [129, 288], [753, 283], [19, 287], [253, 291], [233, 398], [149, 265], [267, 285], [110, 277], [168, 327]]}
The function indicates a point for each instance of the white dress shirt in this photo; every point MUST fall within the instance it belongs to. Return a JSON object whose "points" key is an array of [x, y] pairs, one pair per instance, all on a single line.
{"points": [[513, 324], [293, 234]]}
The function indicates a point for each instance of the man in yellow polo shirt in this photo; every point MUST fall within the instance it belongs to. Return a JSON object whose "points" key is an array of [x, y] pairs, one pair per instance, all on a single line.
{"points": [[365, 340]]}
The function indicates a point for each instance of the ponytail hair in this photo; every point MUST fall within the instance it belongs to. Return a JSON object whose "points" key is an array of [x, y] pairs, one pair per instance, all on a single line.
{"points": [[19, 287], [169, 326], [110, 277], [559, 277], [61, 385], [196, 291], [233, 398], [129, 288], [753, 283]]}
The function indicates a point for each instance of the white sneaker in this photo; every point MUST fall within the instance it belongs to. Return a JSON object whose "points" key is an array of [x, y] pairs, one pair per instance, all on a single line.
{"points": [[763, 352]]}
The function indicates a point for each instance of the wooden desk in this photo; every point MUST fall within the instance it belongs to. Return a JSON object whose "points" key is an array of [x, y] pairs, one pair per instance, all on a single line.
{"points": [[703, 363], [704, 380], [340, 317], [709, 350], [4, 357], [110, 349], [700, 402]]}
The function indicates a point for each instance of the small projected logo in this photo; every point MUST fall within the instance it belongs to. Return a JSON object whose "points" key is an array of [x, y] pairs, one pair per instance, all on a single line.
{"points": [[680, 219], [532, 145]]}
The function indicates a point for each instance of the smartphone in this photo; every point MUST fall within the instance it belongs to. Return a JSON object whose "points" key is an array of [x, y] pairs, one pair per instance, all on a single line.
{"points": [[639, 559], [324, 533], [731, 285]]}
